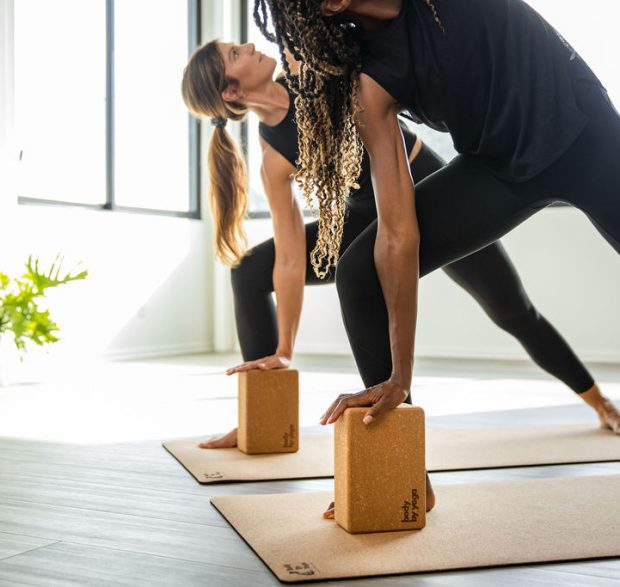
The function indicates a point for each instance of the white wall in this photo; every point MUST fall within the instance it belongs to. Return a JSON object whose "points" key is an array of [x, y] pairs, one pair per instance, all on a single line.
{"points": [[147, 291]]}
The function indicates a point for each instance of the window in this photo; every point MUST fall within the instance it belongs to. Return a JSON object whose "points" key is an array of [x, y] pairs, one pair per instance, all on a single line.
{"points": [[98, 110], [60, 86]]}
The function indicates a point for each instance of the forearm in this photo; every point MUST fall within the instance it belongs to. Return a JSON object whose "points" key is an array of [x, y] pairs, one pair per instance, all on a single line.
{"points": [[289, 284], [396, 260]]}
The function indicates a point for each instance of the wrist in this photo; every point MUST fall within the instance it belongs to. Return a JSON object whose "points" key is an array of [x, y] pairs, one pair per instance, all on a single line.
{"points": [[401, 381], [284, 352]]}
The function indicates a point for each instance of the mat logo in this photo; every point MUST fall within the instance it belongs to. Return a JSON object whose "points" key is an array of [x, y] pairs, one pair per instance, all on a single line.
{"points": [[216, 475], [289, 437], [301, 569], [410, 508]]}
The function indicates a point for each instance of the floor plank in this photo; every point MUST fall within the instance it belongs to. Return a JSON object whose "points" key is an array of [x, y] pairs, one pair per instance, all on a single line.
{"points": [[13, 544], [74, 564]]}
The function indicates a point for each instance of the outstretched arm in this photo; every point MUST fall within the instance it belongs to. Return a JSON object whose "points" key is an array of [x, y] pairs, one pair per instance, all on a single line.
{"points": [[396, 247], [289, 271]]}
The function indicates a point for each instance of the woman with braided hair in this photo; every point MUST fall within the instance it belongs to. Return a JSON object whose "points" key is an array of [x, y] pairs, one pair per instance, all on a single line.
{"points": [[531, 122], [224, 80]]}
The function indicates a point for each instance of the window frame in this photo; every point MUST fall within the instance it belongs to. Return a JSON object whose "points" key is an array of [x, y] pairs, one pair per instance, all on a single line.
{"points": [[110, 205]]}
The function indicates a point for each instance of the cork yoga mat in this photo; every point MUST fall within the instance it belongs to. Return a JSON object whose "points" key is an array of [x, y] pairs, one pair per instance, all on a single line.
{"points": [[473, 525], [221, 465], [447, 450]]}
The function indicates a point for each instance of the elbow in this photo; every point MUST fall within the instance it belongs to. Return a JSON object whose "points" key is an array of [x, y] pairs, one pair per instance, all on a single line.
{"points": [[290, 265], [397, 239]]}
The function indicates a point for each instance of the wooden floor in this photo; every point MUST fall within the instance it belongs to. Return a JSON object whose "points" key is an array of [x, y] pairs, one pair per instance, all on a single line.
{"points": [[120, 512]]}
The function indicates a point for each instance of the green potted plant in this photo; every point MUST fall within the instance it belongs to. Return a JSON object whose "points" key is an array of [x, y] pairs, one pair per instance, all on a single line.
{"points": [[23, 321]]}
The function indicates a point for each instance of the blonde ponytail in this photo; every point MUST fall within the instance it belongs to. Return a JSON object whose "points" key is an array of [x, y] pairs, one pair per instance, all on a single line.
{"points": [[203, 82], [227, 196]]}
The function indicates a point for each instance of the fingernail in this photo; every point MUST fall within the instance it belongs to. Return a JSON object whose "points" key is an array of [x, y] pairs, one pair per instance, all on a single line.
{"points": [[367, 419]]}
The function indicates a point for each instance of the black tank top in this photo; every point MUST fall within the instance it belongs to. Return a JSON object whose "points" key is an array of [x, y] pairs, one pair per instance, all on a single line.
{"points": [[500, 80], [284, 138]]}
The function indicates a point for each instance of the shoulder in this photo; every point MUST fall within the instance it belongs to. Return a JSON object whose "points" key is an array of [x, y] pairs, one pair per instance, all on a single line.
{"points": [[373, 93], [274, 166]]}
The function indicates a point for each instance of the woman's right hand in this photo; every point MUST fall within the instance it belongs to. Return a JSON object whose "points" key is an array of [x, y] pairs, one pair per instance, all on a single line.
{"points": [[277, 361]]}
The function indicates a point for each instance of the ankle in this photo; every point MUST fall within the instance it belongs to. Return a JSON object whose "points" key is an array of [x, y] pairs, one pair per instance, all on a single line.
{"points": [[593, 397]]}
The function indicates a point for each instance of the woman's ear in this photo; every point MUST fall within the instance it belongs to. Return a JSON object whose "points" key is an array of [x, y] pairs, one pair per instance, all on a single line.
{"points": [[333, 7], [231, 92]]}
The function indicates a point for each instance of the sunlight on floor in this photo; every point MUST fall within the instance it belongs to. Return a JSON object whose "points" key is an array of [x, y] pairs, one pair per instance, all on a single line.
{"points": [[111, 402]]}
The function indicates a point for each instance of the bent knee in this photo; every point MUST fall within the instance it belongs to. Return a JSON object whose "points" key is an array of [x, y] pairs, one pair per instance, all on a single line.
{"points": [[253, 273], [516, 320]]}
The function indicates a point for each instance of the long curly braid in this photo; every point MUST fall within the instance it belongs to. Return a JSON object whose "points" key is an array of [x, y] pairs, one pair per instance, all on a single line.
{"points": [[330, 149], [435, 15]]}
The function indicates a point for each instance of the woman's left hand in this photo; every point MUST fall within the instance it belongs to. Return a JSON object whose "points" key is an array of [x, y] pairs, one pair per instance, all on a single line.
{"points": [[381, 397], [266, 364]]}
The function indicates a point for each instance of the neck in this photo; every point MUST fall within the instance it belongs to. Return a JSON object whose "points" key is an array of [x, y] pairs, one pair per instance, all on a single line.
{"points": [[270, 103]]}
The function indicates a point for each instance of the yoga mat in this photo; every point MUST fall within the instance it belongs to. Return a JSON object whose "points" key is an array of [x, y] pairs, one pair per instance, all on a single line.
{"points": [[473, 525], [447, 450], [221, 465]]}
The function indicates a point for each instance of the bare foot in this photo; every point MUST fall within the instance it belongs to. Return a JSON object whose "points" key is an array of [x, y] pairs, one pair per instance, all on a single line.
{"points": [[430, 501], [430, 495], [227, 441], [608, 414]]}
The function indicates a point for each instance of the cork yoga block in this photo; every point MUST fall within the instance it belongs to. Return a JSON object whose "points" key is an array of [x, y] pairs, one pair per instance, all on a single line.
{"points": [[379, 471], [268, 411]]}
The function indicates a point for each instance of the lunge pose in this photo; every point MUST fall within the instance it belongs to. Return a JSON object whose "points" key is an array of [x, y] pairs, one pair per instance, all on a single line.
{"points": [[223, 81], [531, 122]]}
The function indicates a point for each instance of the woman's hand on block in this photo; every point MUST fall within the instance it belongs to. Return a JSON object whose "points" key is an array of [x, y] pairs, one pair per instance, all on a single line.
{"points": [[266, 363], [381, 397]]}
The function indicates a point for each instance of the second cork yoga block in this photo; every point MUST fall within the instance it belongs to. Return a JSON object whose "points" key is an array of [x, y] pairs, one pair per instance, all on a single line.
{"points": [[380, 478], [268, 411]]}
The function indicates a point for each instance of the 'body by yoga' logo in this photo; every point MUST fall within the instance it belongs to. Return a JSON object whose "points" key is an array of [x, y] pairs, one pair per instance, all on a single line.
{"points": [[289, 437], [410, 508], [216, 475], [301, 569]]}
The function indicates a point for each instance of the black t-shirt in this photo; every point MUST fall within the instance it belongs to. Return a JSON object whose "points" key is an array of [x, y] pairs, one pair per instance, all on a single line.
{"points": [[284, 138], [500, 80]]}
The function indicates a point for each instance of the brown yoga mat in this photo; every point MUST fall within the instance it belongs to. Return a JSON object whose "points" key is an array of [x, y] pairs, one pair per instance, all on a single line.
{"points": [[473, 525], [447, 450], [221, 465]]}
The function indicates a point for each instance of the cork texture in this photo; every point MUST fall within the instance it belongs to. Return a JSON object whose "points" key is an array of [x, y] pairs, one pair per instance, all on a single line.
{"points": [[268, 411], [473, 525], [447, 450], [380, 480]]}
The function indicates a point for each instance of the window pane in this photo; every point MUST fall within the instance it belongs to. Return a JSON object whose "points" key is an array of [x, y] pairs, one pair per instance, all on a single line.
{"points": [[60, 99], [151, 143]]}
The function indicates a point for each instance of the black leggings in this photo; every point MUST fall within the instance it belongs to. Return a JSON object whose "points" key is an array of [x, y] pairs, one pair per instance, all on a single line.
{"points": [[487, 275], [461, 209]]}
